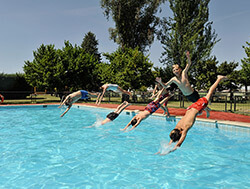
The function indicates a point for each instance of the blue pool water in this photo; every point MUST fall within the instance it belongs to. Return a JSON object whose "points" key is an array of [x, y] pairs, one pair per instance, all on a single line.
{"points": [[41, 150]]}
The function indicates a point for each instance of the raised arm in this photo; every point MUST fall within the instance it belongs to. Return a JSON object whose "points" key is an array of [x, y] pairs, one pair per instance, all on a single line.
{"points": [[188, 63]]}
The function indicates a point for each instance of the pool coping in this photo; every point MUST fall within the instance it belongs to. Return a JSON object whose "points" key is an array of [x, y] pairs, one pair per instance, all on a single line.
{"points": [[216, 122], [212, 121]]}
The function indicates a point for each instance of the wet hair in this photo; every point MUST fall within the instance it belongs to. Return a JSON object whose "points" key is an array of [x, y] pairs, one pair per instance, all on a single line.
{"points": [[175, 135], [133, 122]]}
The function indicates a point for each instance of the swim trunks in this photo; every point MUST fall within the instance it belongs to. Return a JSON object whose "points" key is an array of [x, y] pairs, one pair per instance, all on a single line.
{"points": [[200, 105], [84, 94], [112, 115], [152, 106], [194, 96], [112, 87]]}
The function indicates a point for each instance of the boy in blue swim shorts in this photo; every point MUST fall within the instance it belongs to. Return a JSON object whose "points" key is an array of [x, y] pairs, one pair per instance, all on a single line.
{"points": [[149, 109], [75, 96]]}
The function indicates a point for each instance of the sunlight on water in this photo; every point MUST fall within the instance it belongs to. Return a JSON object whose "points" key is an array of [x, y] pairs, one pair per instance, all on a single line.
{"points": [[41, 150]]}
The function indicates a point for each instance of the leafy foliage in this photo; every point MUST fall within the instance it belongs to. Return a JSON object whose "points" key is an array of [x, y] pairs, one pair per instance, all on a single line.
{"points": [[188, 29], [135, 21], [245, 71], [89, 45], [70, 68], [129, 68], [205, 73], [40, 72], [164, 72]]}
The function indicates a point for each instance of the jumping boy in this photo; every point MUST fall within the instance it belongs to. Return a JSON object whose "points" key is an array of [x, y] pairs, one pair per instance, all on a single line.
{"points": [[150, 109], [179, 133], [75, 96], [110, 87], [113, 115], [181, 80]]}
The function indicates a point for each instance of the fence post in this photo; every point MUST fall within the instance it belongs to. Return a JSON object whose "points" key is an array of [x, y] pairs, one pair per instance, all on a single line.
{"points": [[231, 101], [235, 103], [226, 104], [180, 99]]}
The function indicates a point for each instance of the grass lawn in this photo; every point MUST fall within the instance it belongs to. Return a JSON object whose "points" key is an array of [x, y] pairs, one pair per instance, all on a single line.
{"points": [[241, 108]]}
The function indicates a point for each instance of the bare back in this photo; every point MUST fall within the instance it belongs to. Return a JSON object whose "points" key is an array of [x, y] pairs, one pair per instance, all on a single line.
{"points": [[143, 115], [188, 120]]}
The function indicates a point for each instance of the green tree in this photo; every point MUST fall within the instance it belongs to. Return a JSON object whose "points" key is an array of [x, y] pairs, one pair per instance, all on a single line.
{"points": [[129, 68], [76, 69], [135, 21], [205, 73], [245, 71], [89, 44], [71, 68], [40, 72], [165, 73], [188, 29]]}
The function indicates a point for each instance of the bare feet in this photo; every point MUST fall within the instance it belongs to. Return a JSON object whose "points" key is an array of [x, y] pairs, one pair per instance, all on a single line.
{"points": [[222, 77]]}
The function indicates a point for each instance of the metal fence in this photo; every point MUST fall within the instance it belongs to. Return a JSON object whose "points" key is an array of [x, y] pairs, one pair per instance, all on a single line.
{"points": [[237, 102]]}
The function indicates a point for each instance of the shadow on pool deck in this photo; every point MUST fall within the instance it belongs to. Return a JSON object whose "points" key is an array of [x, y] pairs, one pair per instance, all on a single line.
{"points": [[214, 115]]}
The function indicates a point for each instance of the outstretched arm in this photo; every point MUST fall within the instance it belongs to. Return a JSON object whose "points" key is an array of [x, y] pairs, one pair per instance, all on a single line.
{"points": [[66, 111], [67, 97], [98, 97], [165, 85], [137, 123], [127, 124], [179, 143], [98, 101]]}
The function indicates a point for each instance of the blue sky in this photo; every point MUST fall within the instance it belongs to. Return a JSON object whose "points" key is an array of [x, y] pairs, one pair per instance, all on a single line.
{"points": [[26, 24]]}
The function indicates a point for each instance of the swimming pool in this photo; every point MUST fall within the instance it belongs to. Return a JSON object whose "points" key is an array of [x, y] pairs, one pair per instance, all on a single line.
{"points": [[41, 150]]}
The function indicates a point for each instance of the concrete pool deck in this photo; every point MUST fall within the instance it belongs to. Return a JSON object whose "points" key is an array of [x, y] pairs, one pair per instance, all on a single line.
{"points": [[215, 116]]}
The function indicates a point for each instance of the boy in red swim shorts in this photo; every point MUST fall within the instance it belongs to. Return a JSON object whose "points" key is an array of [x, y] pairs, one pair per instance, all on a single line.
{"points": [[200, 105], [179, 133]]}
